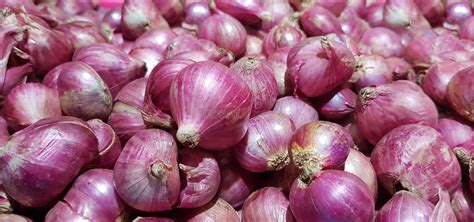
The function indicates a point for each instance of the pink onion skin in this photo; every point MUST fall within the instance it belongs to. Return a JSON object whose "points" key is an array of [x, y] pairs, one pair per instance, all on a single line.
{"points": [[267, 204], [352, 25], [157, 39], [405, 206], [29, 103], [225, 31], [466, 29], [433, 10], [51, 78], [247, 12], [371, 70], [454, 131], [214, 211], [201, 177], [220, 55], [401, 69], [458, 12], [319, 199], [318, 21], [277, 62], [33, 179], [419, 160], [139, 16], [78, 84], [75, 7], [359, 165], [276, 11], [461, 93], [196, 12], [259, 77], [113, 18], [337, 105], [109, 144], [297, 110], [4, 134], [402, 100], [146, 174], [286, 34], [319, 145], [149, 56], [334, 61], [463, 204], [93, 197], [14, 217], [253, 45], [186, 43], [381, 41], [152, 219], [171, 10], [265, 146], [81, 34], [435, 82], [205, 120], [443, 210], [373, 14]]}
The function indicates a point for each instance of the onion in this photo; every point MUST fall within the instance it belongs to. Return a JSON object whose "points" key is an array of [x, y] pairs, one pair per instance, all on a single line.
{"points": [[286, 34], [361, 143], [113, 18], [463, 204], [419, 161], [259, 77], [267, 204], [432, 10], [265, 147], [113, 65], [248, 12], [277, 10], [28, 103], [371, 70], [405, 206], [139, 16], [81, 34], [443, 210], [466, 30], [200, 178], [75, 7], [5, 202], [455, 132], [151, 219], [318, 21], [337, 105], [156, 39], [359, 165], [91, 197], [4, 134], [146, 174], [318, 65], [402, 14], [458, 12], [253, 45], [109, 144], [320, 198], [352, 25], [82, 93], [38, 162], [461, 93], [455, 55], [196, 12], [214, 211], [149, 56], [381, 41], [297, 110], [171, 10], [284, 178], [317, 146], [402, 100], [211, 106], [277, 61], [186, 43], [401, 70], [225, 31], [373, 14]]}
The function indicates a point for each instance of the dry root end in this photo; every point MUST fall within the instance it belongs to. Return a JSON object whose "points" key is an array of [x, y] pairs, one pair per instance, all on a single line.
{"points": [[366, 94], [278, 161], [307, 161], [158, 170], [188, 136]]}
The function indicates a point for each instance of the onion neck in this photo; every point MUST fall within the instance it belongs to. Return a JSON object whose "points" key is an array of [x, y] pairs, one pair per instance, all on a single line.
{"points": [[278, 161], [366, 94], [188, 136], [307, 161]]}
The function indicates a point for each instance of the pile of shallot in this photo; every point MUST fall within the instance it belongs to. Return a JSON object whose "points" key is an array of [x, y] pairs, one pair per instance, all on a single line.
{"points": [[237, 110]]}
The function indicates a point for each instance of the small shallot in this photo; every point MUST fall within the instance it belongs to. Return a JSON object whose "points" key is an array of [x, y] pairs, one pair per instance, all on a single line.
{"points": [[109, 144], [405, 206], [318, 21], [267, 204], [299, 111], [359, 165], [139, 16], [461, 93]]}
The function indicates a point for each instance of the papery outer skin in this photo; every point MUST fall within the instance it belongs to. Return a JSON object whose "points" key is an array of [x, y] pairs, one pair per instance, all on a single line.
{"points": [[347, 41], [443, 211], [225, 31], [202, 177], [135, 180], [458, 11], [265, 146], [236, 183], [29, 103], [286, 34], [210, 105], [334, 61], [171, 10], [259, 77], [416, 157], [215, 211], [113, 65], [297, 110], [352, 25], [435, 83], [337, 105], [320, 199], [13, 217], [319, 145], [109, 144], [113, 18], [380, 109], [381, 41], [91, 197], [139, 16], [26, 171], [405, 206], [371, 70], [267, 204], [454, 131], [253, 45], [277, 62], [317, 21], [81, 34], [404, 14], [401, 69], [82, 93], [359, 165], [461, 93], [247, 12], [149, 56], [157, 39], [278, 10], [51, 78], [152, 219], [463, 204]]}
